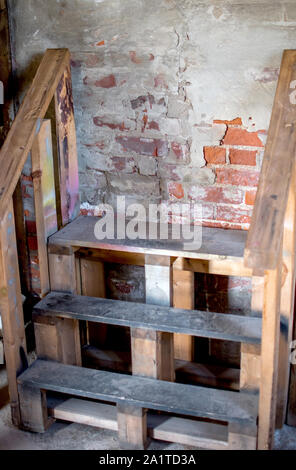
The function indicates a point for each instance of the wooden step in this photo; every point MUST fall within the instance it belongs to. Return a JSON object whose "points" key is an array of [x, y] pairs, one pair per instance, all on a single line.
{"points": [[216, 243], [153, 317], [167, 428], [142, 392]]}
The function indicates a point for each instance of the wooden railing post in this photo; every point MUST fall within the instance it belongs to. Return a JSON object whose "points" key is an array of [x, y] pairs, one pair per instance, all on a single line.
{"points": [[11, 310], [287, 303]]}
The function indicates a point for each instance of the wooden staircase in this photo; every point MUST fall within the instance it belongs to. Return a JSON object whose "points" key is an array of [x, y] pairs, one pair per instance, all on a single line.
{"points": [[56, 386]]}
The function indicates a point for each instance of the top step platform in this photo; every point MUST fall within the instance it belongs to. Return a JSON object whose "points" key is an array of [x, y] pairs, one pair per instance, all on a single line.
{"points": [[216, 243]]}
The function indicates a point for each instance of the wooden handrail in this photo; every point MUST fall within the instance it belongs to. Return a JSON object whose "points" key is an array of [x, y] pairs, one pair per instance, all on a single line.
{"points": [[26, 125], [263, 247]]}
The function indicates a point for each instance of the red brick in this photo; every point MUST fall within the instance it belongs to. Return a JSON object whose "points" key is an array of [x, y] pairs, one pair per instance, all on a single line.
{"points": [[153, 147], [233, 214], [153, 125], [223, 224], [235, 122], [180, 151], [242, 157], [250, 197], [176, 190], [236, 136], [125, 164], [106, 82], [32, 243], [216, 194], [237, 177], [134, 58], [215, 155], [98, 121]]}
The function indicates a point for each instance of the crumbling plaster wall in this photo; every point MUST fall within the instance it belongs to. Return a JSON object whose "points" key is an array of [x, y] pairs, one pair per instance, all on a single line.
{"points": [[172, 101]]}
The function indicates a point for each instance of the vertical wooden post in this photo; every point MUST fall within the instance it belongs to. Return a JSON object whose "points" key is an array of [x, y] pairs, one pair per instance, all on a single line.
{"points": [[93, 285], [291, 412], [183, 297], [58, 339], [287, 303], [11, 310], [44, 198], [251, 353], [67, 150], [153, 351], [269, 358], [132, 426], [33, 409]]}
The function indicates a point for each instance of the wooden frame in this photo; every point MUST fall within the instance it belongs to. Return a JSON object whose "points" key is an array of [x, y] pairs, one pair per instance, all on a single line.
{"points": [[268, 257]]}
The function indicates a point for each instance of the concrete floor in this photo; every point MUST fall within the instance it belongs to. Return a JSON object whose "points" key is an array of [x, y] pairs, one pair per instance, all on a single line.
{"points": [[61, 436]]}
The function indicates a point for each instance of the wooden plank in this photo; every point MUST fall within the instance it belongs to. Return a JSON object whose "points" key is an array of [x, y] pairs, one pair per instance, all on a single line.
{"points": [[93, 284], [153, 317], [287, 303], [265, 233], [33, 408], [183, 297], [142, 392], [153, 351], [67, 148], [291, 409], [223, 267], [11, 310], [251, 354], [59, 338], [269, 358], [62, 272], [132, 426], [209, 375], [216, 243], [44, 198], [165, 428], [20, 138]]}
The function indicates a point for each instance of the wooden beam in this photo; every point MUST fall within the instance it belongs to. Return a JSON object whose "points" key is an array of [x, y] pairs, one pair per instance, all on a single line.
{"points": [[287, 303], [265, 234], [153, 351], [44, 198], [269, 358], [132, 426], [183, 297], [67, 149], [20, 138], [11, 310]]}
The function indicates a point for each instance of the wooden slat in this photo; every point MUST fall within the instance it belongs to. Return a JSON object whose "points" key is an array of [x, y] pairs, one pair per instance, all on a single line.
{"points": [[183, 297], [152, 317], [44, 198], [166, 428], [142, 392], [28, 120], [216, 243], [223, 267], [11, 310], [67, 149], [287, 303], [265, 234], [269, 358]]}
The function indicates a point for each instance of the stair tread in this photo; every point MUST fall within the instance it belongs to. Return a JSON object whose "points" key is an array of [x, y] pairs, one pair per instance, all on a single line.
{"points": [[216, 242], [221, 405], [159, 318]]}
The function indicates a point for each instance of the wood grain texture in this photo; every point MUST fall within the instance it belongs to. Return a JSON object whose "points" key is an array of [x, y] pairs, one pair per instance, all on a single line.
{"points": [[11, 310], [216, 243], [265, 233], [142, 392], [153, 317], [44, 198], [269, 358], [165, 428], [20, 138], [287, 303], [67, 148], [183, 297]]}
